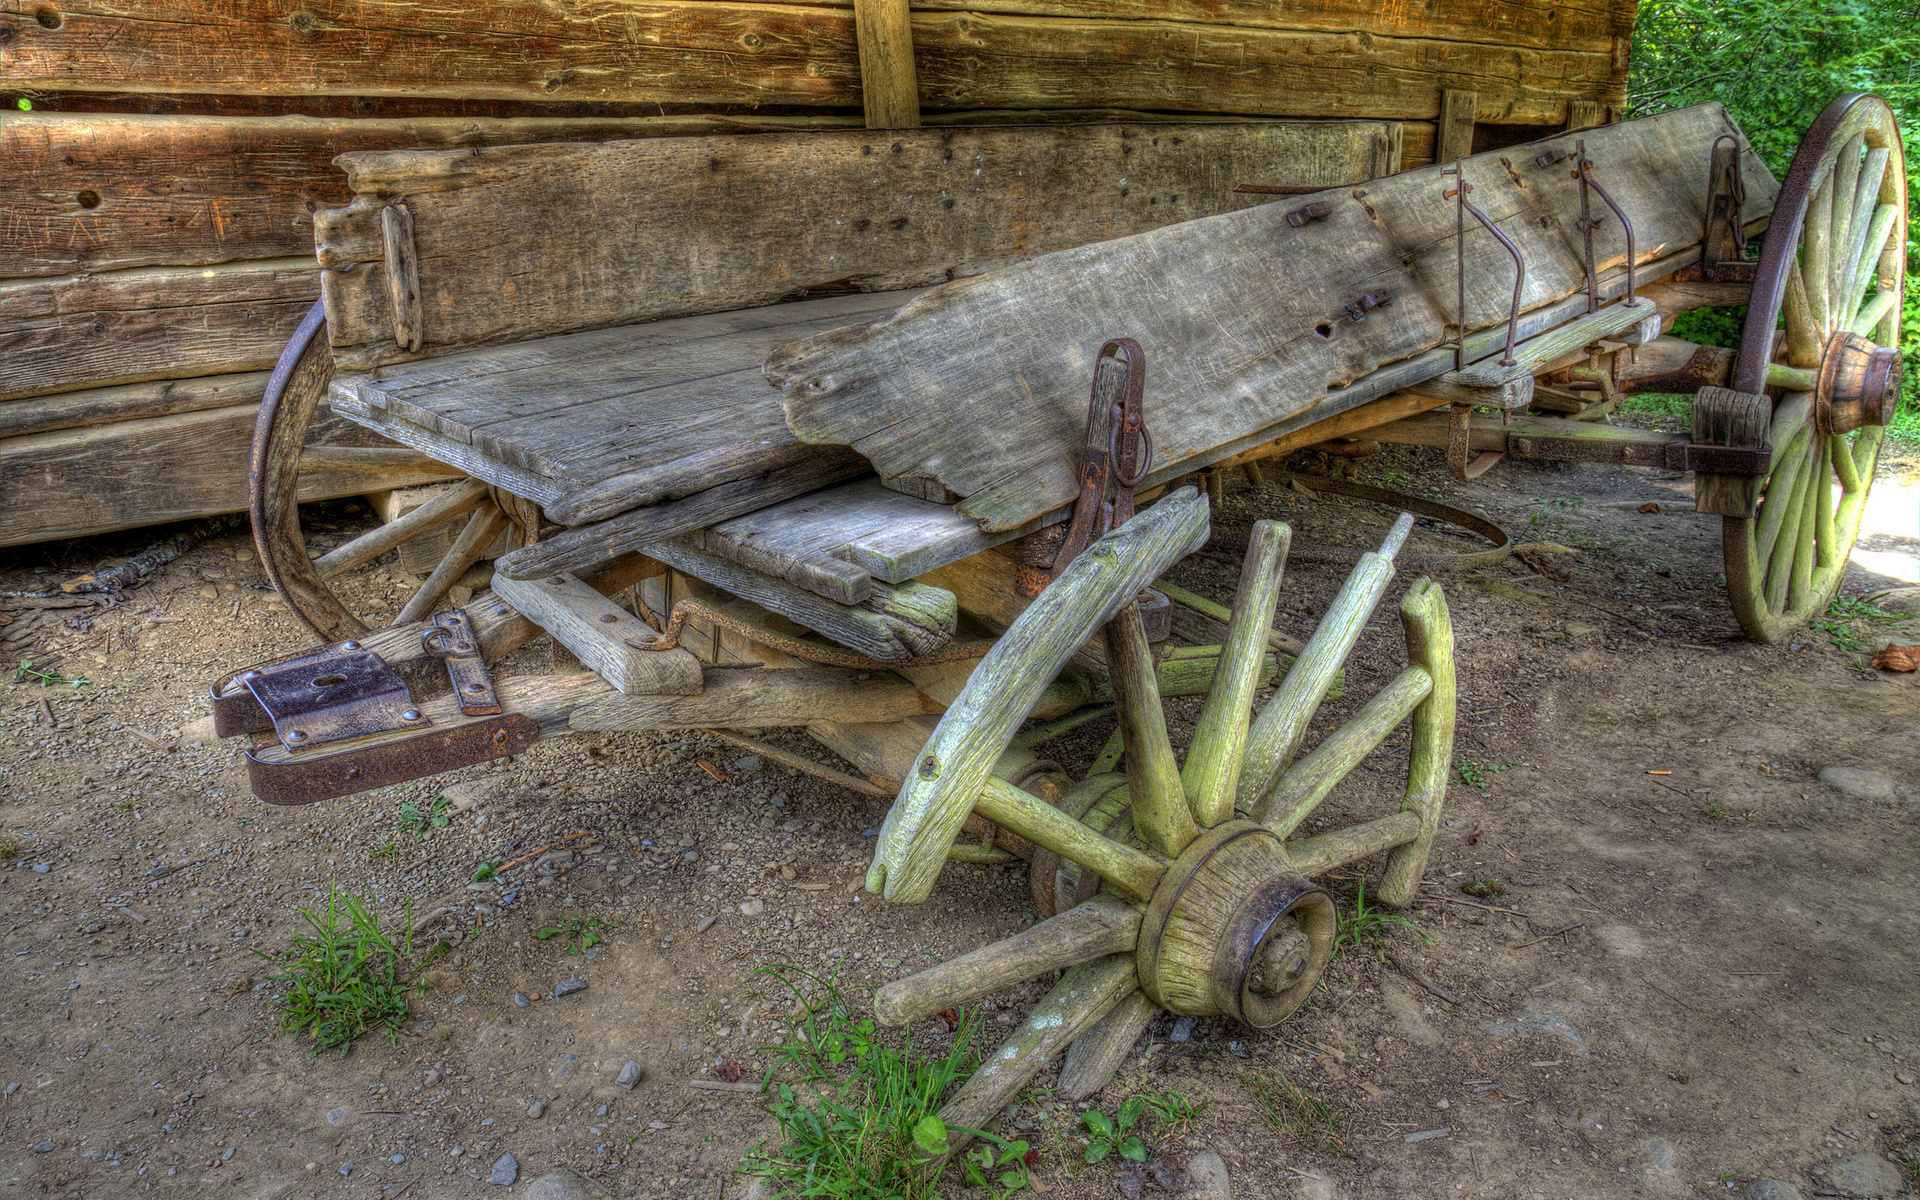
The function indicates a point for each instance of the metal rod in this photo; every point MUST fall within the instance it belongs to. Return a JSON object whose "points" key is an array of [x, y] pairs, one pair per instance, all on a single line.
{"points": [[1463, 207], [1584, 170]]}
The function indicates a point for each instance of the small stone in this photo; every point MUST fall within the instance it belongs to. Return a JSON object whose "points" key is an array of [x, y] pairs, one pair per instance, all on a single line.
{"points": [[706, 923], [559, 1186], [1770, 1189], [433, 1077], [506, 1169], [337, 1116], [753, 908], [1182, 1030], [1856, 781], [42, 868], [346, 1168], [537, 1109], [44, 1147], [629, 1075], [747, 764], [1207, 1177], [1866, 1175], [313, 1168], [567, 987], [398, 1158], [1903, 1077], [520, 1000]]}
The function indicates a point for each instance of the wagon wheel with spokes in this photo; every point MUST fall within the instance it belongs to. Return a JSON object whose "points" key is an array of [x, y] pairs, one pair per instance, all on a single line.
{"points": [[1203, 903], [1834, 266], [282, 454]]}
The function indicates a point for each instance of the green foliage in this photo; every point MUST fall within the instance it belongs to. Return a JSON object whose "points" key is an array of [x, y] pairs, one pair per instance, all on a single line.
{"points": [[1369, 926], [344, 976], [420, 822], [9, 848], [490, 869], [1114, 1135], [579, 934], [1843, 618], [25, 671], [1775, 66], [388, 850], [1474, 774], [1171, 1109], [874, 1129]]}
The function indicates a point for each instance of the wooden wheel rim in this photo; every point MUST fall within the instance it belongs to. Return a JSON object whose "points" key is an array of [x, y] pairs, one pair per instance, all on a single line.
{"points": [[1783, 571]]}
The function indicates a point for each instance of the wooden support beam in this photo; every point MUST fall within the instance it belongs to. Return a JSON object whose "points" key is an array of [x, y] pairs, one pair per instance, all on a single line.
{"points": [[598, 631], [735, 698], [1584, 114], [1454, 135], [889, 89], [1095, 929]]}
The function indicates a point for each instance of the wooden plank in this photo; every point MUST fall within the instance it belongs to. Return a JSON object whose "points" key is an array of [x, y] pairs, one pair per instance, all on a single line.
{"points": [[76, 482], [87, 331], [128, 402], [597, 631], [750, 699], [743, 221], [889, 92], [783, 54], [81, 191], [893, 624], [1535, 354], [1454, 129], [1584, 113], [981, 384]]}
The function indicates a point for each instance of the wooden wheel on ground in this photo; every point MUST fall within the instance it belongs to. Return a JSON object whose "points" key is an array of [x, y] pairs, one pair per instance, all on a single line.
{"points": [[1834, 265], [1204, 906], [281, 453]]}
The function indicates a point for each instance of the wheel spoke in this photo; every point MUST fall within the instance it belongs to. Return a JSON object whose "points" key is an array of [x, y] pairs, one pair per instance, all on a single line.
{"points": [[1780, 486], [1846, 174], [1867, 256], [1220, 735], [1308, 781], [444, 509], [1860, 203], [1780, 561], [481, 528], [1325, 851], [1803, 330], [1823, 501], [1429, 630], [1872, 313], [1100, 927], [1817, 263], [1160, 814], [1096, 1054], [1032, 818], [1800, 582]]}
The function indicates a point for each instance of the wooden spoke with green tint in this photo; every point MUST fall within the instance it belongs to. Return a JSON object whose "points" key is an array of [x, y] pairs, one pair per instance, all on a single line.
{"points": [[1175, 885], [1834, 263]]}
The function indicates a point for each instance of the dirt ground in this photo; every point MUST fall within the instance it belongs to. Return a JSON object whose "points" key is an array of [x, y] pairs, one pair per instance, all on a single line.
{"points": [[1685, 963]]}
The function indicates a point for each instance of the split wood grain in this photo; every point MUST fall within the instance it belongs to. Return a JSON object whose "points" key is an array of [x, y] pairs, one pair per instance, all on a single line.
{"points": [[759, 699], [597, 631]]}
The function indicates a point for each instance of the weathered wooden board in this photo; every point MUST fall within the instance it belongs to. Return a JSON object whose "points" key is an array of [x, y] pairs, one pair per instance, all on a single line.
{"points": [[981, 384], [719, 53], [128, 402], [101, 192], [75, 482], [83, 331], [739, 221]]}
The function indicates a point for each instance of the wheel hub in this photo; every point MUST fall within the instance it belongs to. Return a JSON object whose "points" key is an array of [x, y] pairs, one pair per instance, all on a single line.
{"points": [[1234, 930], [1859, 383]]}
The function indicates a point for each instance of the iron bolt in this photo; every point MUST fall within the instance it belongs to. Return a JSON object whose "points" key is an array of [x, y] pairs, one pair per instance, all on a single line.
{"points": [[411, 714], [296, 735], [350, 645]]}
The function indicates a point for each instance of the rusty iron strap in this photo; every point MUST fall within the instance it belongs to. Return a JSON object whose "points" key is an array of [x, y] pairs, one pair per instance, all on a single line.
{"points": [[323, 775], [833, 656], [1111, 463]]}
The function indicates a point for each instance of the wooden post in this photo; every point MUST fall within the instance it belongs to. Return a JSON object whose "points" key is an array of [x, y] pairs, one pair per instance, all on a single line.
{"points": [[1429, 630], [889, 88], [1584, 114], [1453, 136]]}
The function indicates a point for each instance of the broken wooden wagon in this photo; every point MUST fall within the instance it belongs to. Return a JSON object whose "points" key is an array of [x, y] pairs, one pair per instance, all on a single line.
{"points": [[927, 540]]}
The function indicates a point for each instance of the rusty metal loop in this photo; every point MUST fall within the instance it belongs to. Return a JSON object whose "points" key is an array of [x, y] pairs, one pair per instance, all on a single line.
{"points": [[1501, 549], [832, 656]]}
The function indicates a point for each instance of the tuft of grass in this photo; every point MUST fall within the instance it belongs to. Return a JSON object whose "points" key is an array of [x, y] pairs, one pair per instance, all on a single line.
{"points": [[1172, 1110], [1474, 774], [420, 822], [579, 934], [1366, 926], [1843, 618], [9, 848], [874, 1129], [1313, 1121], [388, 850], [1662, 404], [344, 976]]}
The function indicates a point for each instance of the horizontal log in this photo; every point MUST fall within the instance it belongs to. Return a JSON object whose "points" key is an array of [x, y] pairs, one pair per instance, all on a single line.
{"points": [[758, 699], [769, 54], [129, 402], [77, 482], [69, 332]]}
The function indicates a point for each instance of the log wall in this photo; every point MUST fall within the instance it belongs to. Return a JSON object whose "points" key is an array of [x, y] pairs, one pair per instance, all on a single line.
{"points": [[160, 160]]}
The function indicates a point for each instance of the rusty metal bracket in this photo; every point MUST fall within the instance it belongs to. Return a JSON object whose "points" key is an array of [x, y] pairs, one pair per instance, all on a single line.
{"points": [[1319, 210], [1723, 249], [1583, 171], [1111, 463], [315, 777], [328, 695], [1462, 208], [450, 638], [1460, 440]]}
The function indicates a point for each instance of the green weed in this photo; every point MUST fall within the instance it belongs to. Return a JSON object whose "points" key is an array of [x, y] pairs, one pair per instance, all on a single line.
{"points": [[1474, 774], [490, 869], [1366, 926], [1172, 1110], [345, 977], [874, 1130], [1310, 1119], [420, 822], [1661, 404], [25, 671], [9, 848], [1114, 1135], [388, 850], [1840, 625], [580, 934]]}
